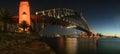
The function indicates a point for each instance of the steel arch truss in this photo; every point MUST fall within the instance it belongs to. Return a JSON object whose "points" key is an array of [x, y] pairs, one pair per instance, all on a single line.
{"points": [[64, 17]]}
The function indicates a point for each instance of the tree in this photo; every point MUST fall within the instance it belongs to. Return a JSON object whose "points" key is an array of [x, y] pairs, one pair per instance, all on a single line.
{"points": [[5, 18], [24, 25], [99, 34]]}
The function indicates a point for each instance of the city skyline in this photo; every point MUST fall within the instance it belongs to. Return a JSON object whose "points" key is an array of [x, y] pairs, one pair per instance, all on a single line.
{"points": [[102, 15]]}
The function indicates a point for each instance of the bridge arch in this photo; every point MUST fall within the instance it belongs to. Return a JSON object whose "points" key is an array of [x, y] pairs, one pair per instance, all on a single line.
{"points": [[65, 17]]}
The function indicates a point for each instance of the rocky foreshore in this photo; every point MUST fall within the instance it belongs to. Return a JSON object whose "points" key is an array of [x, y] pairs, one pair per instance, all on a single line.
{"points": [[23, 44]]}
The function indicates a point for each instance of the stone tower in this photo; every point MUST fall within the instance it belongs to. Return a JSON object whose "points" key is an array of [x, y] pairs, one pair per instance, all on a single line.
{"points": [[24, 12]]}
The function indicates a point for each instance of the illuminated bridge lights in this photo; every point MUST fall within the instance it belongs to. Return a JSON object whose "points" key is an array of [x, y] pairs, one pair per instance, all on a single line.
{"points": [[58, 17], [65, 17], [36, 13], [71, 26]]}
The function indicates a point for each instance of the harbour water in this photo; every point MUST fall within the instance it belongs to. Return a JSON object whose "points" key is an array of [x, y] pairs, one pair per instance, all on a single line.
{"points": [[84, 45], [109, 46]]}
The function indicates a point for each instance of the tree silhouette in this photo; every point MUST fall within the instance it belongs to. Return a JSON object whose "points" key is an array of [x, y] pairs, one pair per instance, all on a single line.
{"points": [[24, 25], [5, 18], [99, 34]]}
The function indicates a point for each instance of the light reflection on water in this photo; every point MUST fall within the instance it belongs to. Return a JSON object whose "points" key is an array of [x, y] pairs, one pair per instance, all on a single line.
{"points": [[84, 46], [71, 45], [61, 46]]}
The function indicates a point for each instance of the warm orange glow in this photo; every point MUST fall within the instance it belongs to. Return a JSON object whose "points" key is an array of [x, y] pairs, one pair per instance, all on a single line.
{"points": [[24, 12]]}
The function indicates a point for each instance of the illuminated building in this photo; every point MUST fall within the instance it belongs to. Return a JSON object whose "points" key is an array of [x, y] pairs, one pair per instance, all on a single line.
{"points": [[24, 15], [24, 12]]}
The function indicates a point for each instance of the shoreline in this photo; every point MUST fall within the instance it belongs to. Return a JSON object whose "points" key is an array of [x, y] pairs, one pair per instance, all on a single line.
{"points": [[23, 44]]}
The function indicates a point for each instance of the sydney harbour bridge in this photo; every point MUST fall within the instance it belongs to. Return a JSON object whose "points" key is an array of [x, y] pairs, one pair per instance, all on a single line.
{"points": [[63, 17]]}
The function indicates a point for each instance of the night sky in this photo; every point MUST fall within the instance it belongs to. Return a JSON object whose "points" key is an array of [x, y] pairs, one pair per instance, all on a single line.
{"points": [[103, 16]]}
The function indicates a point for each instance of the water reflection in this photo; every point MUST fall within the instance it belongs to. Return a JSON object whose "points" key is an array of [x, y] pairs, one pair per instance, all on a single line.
{"points": [[61, 47], [71, 45], [84, 45]]}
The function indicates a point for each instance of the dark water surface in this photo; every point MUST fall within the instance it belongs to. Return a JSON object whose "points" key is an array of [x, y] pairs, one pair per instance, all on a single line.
{"points": [[84, 45]]}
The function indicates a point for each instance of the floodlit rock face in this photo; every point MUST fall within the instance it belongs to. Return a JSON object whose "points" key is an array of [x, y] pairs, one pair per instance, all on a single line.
{"points": [[24, 12]]}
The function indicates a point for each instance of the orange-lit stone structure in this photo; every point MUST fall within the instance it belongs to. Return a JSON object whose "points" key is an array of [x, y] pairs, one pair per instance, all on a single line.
{"points": [[24, 15], [24, 12]]}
